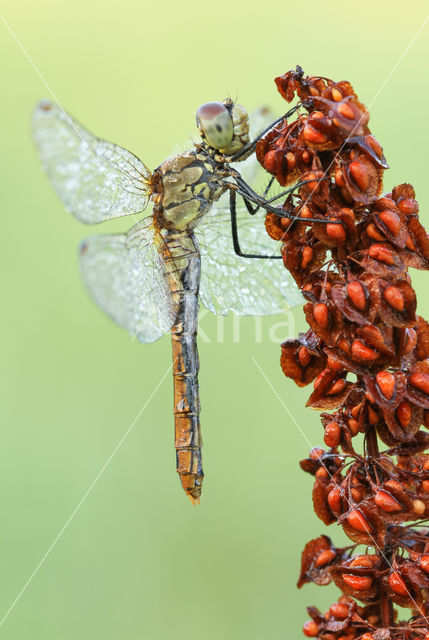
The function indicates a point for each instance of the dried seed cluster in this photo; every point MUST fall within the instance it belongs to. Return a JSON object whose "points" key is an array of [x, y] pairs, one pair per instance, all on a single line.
{"points": [[366, 353]]}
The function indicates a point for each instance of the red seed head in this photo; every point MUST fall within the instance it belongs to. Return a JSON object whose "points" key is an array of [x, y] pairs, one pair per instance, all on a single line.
{"points": [[404, 413], [291, 160], [316, 453], [358, 521], [386, 383], [391, 220], [332, 434], [270, 161], [336, 232], [359, 174], [408, 206], [339, 179], [322, 472], [304, 356], [394, 298], [321, 314], [386, 502], [339, 610], [360, 583], [381, 253], [419, 507], [306, 257], [353, 426], [338, 386], [397, 584], [356, 293], [325, 557], [362, 560], [346, 110], [424, 563], [334, 500], [314, 136], [420, 381], [361, 352], [310, 629], [374, 233]]}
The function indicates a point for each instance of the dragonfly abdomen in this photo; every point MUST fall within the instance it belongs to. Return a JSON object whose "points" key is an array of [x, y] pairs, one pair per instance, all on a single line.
{"points": [[183, 268]]}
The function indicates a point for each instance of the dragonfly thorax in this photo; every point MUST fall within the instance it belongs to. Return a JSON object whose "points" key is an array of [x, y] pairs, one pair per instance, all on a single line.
{"points": [[184, 188]]}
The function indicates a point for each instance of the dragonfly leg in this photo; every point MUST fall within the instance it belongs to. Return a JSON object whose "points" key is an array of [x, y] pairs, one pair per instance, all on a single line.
{"points": [[250, 147], [252, 210], [234, 228], [247, 192]]}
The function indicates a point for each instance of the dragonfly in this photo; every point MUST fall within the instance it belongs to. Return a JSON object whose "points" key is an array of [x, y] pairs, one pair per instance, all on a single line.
{"points": [[151, 279]]}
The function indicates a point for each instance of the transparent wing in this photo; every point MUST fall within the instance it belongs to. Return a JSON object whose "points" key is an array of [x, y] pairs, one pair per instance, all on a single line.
{"points": [[126, 277], [243, 285], [95, 179]]}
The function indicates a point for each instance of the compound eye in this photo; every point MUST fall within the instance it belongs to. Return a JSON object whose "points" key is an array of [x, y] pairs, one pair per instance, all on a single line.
{"points": [[216, 124]]}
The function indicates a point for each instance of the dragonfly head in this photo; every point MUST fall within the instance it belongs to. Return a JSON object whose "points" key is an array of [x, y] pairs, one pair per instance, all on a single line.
{"points": [[224, 126]]}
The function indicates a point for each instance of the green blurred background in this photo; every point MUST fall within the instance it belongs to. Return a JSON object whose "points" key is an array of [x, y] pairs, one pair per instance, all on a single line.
{"points": [[137, 560]]}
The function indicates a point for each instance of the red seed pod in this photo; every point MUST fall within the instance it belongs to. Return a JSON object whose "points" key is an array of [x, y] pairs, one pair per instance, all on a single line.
{"points": [[373, 232], [362, 561], [397, 584], [310, 629], [314, 136], [291, 160], [361, 352], [419, 507], [339, 610], [270, 161], [338, 386], [334, 500], [358, 521], [321, 314], [339, 179], [386, 502], [316, 453], [394, 298], [360, 583], [391, 220], [336, 232], [306, 256], [356, 293], [420, 381], [386, 383], [408, 206], [332, 434], [304, 356], [346, 110], [425, 486], [322, 473], [353, 426], [360, 175], [325, 557], [334, 364], [424, 563], [404, 413], [381, 253]]}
